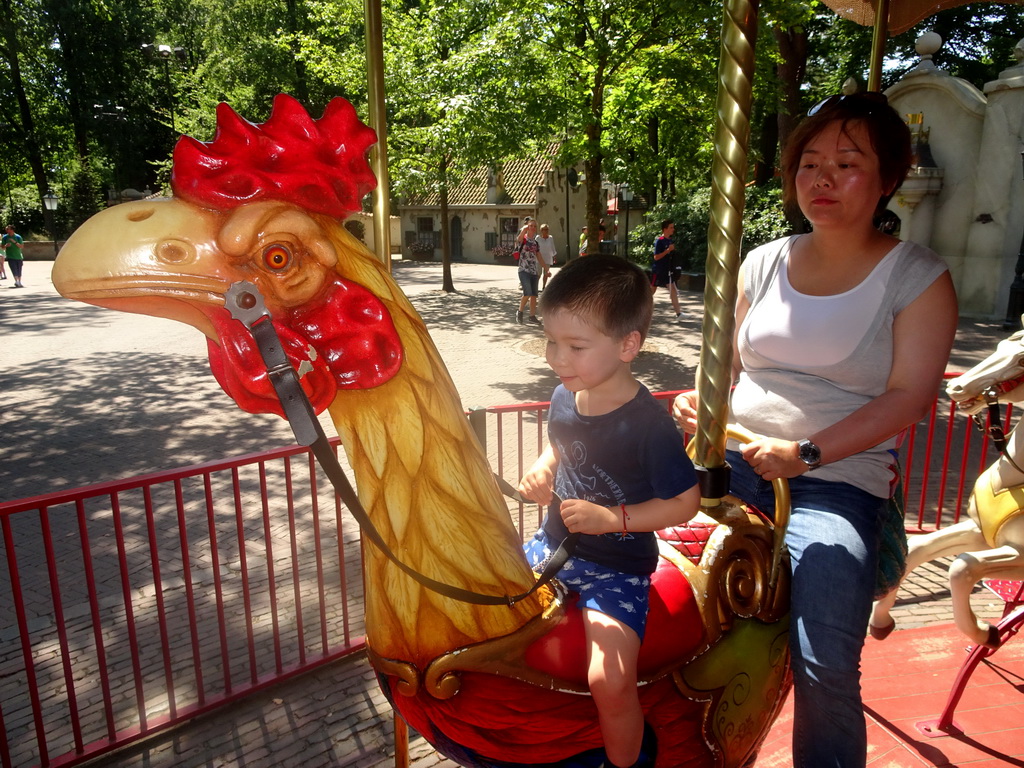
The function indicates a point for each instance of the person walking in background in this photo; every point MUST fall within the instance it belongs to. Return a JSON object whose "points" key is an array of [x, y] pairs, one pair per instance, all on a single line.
{"points": [[11, 242], [620, 471], [842, 337], [664, 273], [522, 231], [547, 252], [583, 242], [529, 271]]}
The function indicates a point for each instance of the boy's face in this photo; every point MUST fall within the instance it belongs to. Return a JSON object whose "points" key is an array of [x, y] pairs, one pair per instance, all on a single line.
{"points": [[582, 356], [669, 230]]}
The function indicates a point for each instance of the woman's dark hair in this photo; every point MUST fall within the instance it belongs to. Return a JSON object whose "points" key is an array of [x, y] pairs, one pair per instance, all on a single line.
{"points": [[888, 134], [612, 294]]}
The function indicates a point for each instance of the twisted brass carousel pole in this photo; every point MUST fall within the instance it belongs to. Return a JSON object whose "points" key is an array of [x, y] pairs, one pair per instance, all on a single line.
{"points": [[378, 121], [728, 177], [381, 215]]}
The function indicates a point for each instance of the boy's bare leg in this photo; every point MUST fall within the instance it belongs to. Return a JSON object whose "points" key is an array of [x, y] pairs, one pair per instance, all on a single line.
{"points": [[613, 649]]}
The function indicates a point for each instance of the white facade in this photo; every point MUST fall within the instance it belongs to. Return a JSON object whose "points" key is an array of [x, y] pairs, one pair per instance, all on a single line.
{"points": [[970, 208], [541, 193]]}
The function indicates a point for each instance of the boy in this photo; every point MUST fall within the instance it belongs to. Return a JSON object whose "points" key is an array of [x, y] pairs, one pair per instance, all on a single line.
{"points": [[615, 457], [664, 250]]}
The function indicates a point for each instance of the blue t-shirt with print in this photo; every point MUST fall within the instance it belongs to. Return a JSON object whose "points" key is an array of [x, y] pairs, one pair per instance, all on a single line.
{"points": [[629, 456]]}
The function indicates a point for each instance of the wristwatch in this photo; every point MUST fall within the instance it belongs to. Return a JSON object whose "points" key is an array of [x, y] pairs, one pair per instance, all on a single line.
{"points": [[809, 453]]}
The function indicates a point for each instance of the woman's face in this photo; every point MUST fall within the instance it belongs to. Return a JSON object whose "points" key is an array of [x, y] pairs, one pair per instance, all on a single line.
{"points": [[838, 181]]}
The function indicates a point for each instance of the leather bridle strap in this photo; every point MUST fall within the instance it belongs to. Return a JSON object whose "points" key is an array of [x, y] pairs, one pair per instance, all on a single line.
{"points": [[245, 303], [995, 427]]}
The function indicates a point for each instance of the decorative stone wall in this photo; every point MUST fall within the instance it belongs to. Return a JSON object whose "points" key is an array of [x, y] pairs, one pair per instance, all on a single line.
{"points": [[969, 205]]}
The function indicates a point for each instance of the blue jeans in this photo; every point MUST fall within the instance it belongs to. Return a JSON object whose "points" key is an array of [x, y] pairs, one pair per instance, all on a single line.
{"points": [[832, 538], [530, 283]]}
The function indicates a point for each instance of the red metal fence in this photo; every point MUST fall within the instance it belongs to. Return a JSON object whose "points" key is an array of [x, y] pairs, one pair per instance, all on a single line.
{"points": [[132, 606]]}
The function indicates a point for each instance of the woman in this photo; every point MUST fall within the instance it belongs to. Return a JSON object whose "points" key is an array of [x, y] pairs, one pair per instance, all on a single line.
{"points": [[842, 336], [529, 270]]}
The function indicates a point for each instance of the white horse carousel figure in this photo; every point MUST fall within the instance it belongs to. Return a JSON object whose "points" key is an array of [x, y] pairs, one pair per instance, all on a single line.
{"points": [[990, 544]]}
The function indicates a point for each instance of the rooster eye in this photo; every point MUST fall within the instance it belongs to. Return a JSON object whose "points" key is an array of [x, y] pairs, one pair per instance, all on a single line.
{"points": [[277, 256]]}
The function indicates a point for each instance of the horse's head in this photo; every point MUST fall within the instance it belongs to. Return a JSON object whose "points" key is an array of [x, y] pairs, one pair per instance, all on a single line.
{"points": [[1001, 374]]}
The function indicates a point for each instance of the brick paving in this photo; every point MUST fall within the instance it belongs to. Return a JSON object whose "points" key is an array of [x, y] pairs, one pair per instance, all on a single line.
{"points": [[92, 395]]}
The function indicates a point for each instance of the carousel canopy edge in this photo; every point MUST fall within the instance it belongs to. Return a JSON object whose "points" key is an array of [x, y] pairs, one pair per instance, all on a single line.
{"points": [[903, 14]]}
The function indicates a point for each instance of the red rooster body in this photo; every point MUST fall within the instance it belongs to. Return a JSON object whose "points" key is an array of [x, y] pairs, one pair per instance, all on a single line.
{"points": [[487, 685]]}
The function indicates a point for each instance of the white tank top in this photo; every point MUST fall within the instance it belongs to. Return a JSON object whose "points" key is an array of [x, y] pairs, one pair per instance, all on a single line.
{"points": [[802, 331], [853, 330]]}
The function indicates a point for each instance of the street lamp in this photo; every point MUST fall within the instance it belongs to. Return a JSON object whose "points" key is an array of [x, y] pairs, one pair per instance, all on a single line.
{"points": [[165, 53], [50, 202], [627, 198], [1015, 304]]}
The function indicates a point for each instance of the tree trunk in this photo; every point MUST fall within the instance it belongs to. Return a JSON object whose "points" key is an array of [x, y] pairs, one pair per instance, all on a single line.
{"points": [[791, 71], [594, 129], [28, 129], [301, 77], [653, 142], [446, 236], [764, 168]]}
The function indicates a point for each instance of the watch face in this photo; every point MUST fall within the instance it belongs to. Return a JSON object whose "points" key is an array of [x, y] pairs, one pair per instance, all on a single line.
{"points": [[810, 453]]}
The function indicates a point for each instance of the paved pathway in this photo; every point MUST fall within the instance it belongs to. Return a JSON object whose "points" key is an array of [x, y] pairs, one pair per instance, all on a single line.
{"points": [[92, 395]]}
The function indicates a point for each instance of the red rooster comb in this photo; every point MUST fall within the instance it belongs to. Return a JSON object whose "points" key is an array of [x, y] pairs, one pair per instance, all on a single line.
{"points": [[317, 164]]}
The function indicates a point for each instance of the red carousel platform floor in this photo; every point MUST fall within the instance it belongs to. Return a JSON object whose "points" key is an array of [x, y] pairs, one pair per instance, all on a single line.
{"points": [[907, 679]]}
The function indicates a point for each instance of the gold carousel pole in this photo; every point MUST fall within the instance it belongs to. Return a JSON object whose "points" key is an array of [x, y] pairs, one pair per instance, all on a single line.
{"points": [[378, 121], [728, 178], [381, 217], [878, 45]]}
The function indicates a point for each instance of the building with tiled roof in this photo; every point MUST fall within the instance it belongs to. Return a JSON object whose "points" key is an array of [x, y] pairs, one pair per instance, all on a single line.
{"points": [[488, 206]]}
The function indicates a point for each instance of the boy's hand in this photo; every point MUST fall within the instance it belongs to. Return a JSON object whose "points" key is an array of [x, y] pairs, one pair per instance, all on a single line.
{"points": [[537, 483], [587, 517]]}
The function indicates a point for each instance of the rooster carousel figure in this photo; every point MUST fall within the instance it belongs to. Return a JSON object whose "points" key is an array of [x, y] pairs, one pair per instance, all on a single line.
{"points": [[255, 221]]}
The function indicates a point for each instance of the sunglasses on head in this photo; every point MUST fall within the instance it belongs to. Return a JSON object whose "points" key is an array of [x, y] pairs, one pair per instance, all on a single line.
{"points": [[865, 102]]}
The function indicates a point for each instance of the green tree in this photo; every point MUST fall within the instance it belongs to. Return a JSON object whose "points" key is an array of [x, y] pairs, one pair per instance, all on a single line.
{"points": [[978, 42], [465, 90], [595, 47], [24, 34], [658, 132]]}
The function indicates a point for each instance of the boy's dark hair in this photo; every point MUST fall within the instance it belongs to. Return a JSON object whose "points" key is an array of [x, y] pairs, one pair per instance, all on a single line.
{"points": [[666, 223], [613, 294]]}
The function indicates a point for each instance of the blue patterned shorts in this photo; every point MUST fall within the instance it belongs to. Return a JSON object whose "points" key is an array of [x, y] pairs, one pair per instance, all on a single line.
{"points": [[623, 596]]}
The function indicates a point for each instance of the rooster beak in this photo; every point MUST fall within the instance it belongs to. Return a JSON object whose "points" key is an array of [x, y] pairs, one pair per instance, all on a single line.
{"points": [[150, 257]]}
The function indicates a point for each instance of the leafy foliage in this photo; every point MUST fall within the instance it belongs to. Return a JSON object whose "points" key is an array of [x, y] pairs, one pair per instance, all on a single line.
{"points": [[763, 221], [626, 88], [85, 194]]}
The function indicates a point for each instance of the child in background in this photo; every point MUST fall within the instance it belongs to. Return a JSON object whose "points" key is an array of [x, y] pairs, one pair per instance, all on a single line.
{"points": [[664, 257]]}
